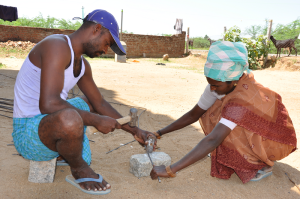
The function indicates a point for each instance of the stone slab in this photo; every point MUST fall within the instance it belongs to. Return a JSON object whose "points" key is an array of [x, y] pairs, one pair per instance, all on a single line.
{"points": [[121, 58], [140, 164], [42, 171]]}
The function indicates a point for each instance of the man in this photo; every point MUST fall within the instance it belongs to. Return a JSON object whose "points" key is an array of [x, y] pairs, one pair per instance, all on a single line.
{"points": [[45, 124]]}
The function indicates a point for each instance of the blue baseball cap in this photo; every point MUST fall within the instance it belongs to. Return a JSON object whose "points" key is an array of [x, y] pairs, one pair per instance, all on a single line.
{"points": [[108, 21]]}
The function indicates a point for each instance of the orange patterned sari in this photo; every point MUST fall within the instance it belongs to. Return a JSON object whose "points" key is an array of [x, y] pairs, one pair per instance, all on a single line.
{"points": [[264, 131]]}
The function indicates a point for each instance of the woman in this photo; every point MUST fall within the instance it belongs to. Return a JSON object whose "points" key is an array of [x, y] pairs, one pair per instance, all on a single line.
{"points": [[246, 125]]}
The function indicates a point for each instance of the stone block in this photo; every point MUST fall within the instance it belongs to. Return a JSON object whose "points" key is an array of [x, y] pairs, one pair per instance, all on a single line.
{"points": [[141, 166], [42, 171], [121, 58]]}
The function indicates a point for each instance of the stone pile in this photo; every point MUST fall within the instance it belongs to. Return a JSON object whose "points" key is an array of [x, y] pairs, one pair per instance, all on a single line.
{"points": [[22, 45]]}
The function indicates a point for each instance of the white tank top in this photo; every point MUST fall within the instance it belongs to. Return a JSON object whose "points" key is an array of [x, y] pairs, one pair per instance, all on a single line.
{"points": [[27, 86]]}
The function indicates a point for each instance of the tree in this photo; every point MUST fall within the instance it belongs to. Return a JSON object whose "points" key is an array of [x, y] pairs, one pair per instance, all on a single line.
{"points": [[200, 42], [40, 21], [125, 31], [253, 31]]}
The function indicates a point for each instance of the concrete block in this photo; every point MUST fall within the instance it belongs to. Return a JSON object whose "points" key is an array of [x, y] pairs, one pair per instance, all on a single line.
{"points": [[42, 171], [141, 166], [121, 58]]}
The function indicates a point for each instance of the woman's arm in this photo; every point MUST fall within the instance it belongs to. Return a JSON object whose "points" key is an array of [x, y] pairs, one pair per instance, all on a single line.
{"points": [[190, 117], [207, 99], [205, 146]]}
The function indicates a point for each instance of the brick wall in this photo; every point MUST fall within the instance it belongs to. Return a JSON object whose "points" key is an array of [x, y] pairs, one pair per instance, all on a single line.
{"points": [[153, 46]]}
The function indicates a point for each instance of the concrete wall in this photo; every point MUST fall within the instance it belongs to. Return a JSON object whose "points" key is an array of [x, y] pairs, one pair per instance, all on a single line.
{"points": [[152, 46]]}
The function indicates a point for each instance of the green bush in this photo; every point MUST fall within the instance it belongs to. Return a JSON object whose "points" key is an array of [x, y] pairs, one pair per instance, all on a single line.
{"points": [[256, 47], [41, 22], [200, 42], [280, 32]]}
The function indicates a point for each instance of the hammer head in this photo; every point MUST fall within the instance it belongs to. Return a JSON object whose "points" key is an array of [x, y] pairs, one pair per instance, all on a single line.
{"points": [[133, 115], [150, 145]]}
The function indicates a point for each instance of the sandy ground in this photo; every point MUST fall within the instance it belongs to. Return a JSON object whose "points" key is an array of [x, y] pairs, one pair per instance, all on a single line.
{"points": [[167, 92]]}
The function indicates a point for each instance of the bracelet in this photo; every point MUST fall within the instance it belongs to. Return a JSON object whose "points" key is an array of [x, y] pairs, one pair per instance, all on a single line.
{"points": [[169, 172], [157, 135], [159, 132]]}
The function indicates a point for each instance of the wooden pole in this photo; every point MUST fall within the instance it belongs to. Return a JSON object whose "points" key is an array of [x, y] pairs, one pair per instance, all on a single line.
{"points": [[224, 33], [268, 40], [187, 40]]}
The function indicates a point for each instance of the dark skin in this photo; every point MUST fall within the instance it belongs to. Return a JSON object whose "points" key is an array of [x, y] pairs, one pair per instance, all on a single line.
{"points": [[62, 129], [207, 144]]}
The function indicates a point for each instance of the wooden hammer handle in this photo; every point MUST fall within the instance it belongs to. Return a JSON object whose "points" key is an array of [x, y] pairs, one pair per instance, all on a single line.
{"points": [[90, 129], [124, 120]]}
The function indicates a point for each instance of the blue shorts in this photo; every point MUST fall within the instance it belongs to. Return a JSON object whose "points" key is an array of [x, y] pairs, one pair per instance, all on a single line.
{"points": [[28, 143]]}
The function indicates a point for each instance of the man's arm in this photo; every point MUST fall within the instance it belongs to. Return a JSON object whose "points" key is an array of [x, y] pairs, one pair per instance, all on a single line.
{"points": [[55, 57], [100, 105]]}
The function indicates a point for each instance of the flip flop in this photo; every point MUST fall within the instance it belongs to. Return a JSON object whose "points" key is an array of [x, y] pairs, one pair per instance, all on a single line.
{"points": [[61, 163], [264, 174], [74, 182]]}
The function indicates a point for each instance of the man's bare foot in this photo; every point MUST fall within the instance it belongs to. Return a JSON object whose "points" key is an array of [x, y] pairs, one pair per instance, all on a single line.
{"points": [[266, 169], [87, 172]]}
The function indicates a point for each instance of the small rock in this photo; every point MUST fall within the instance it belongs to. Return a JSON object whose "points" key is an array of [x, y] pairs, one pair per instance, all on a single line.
{"points": [[273, 58], [166, 57], [141, 166]]}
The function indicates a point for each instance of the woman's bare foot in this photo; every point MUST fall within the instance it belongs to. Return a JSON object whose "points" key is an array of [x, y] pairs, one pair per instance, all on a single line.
{"points": [[87, 172]]}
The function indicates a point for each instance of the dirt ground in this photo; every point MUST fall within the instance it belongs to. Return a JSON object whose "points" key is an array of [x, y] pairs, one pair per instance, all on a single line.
{"points": [[167, 92], [290, 63]]}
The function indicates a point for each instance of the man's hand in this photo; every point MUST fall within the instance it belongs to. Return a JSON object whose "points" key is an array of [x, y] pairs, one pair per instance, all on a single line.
{"points": [[107, 124], [159, 171], [142, 136]]}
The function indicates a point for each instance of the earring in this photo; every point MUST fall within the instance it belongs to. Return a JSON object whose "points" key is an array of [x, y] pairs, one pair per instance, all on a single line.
{"points": [[235, 84]]}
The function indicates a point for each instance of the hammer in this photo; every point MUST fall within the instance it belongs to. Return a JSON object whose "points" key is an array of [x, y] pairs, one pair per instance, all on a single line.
{"points": [[131, 118]]}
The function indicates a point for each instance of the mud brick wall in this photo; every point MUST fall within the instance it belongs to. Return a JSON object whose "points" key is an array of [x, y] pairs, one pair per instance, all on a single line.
{"points": [[152, 46], [23, 33]]}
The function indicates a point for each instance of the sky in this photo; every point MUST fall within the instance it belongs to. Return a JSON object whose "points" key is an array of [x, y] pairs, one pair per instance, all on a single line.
{"points": [[159, 16]]}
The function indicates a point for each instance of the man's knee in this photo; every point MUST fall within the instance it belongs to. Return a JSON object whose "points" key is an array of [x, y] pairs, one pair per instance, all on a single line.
{"points": [[71, 122]]}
